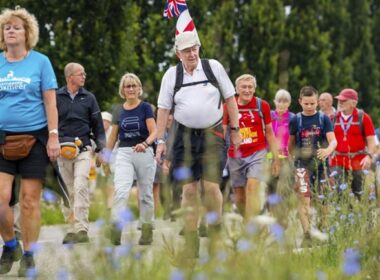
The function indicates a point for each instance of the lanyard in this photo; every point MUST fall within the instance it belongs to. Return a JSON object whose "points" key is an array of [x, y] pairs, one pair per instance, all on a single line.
{"points": [[345, 128]]}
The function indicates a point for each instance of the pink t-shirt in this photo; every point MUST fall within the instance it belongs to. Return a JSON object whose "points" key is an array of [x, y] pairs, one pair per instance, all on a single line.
{"points": [[280, 125]]}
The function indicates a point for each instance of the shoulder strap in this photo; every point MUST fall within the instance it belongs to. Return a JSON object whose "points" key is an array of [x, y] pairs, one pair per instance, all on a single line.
{"points": [[259, 109], [178, 78], [361, 115], [211, 78], [321, 120], [298, 128]]}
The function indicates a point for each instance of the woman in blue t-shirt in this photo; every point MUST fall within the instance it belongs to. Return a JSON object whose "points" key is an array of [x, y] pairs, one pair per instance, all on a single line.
{"points": [[135, 128], [28, 108]]}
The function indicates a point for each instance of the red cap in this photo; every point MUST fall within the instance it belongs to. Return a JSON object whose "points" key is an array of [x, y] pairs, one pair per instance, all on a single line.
{"points": [[347, 94]]}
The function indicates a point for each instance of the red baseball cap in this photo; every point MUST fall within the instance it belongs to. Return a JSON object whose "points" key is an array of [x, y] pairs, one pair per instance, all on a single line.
{"points": [[347, 94]]}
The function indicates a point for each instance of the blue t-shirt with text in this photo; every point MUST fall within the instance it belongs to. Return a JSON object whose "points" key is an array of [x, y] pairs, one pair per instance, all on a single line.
{"points": [[132, 124], [22, 84], [310, 134]]}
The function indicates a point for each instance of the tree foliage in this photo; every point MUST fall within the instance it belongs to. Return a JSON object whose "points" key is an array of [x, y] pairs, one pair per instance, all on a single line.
{"points": [[286, 44]]}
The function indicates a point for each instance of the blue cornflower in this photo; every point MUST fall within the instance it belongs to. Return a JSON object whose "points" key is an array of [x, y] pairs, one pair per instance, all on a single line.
{"points": [[334, 173], [323, 181], [32, 273], [243, 245], [222, 256], [351, 262], [277, 231], [125, 217], [203, 259], [181, 173], [200, 276], [62, 274], [372, 196], [212, 217], [99, 223], [365, 172], [49, 196], [274, 199], [177, 275], [343, 186], [251, 228], [321, 275], [342, 217], [338, 208], [123, 250], [321, 197]]}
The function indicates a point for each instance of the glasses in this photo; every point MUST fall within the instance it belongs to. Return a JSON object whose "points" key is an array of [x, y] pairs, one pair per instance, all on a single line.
{"points": [[80, 74], [132, 86]]}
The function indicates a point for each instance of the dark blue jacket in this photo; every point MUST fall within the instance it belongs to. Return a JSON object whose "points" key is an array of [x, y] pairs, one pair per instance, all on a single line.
{"points": [[80, 117]]}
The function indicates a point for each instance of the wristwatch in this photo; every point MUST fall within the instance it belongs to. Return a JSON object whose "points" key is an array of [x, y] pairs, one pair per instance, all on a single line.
{"points": [[160, 141], [235, 128], [53, 131]]}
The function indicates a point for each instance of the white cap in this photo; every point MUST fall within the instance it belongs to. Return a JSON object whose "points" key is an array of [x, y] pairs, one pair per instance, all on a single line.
{"points": [[106, 116], [186, 40]]}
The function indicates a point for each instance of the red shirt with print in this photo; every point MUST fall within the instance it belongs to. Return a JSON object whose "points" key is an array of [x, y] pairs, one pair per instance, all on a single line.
{"points": [[251, 129], [353, 142]]}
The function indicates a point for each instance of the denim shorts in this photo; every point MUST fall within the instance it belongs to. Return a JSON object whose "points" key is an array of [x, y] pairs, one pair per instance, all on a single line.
{"points": [[32, 167]]}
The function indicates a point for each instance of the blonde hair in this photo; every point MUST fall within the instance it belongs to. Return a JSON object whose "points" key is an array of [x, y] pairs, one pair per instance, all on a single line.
{"points": [[30, 26], [283, 94], [246, 77], [133, 79]]}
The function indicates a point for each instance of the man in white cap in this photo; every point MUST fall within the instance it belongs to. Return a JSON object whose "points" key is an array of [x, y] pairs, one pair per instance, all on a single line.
{"points": [[199, 141], [355, 134]]}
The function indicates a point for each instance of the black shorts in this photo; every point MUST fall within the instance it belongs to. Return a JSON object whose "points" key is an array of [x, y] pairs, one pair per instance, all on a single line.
{"points": [[200, 151], [32, 167]]}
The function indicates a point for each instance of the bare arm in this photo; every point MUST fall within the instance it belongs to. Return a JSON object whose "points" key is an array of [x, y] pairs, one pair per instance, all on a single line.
{"points": [[291, 145], [50, 103], [371, 149], [152, 128], [233, 114], [162, 120], [271, 140], [325, 152]]}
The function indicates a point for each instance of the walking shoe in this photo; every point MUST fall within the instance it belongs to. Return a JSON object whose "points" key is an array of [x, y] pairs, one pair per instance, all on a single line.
{"points": [[8, 257], [182, 232], [69, 238], [81, 237], [146, 234], [307, 242], [202, 230], [18, 235], [27, 266], [115, 235]]}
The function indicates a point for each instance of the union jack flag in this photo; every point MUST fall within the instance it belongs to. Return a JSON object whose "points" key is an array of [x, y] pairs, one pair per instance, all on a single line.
{"points": [[174, 8]]}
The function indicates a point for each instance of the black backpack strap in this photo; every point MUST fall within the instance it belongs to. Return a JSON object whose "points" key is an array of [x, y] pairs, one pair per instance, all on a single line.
{"points": [[178, 79], [211, 78], [360, 115]]}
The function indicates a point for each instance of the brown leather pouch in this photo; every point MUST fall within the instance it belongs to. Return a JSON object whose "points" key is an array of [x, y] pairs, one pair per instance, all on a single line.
{"points": [[17, 146]]}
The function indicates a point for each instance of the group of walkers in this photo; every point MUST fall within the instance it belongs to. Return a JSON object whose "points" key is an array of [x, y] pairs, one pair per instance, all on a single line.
{"points": [[40, 124]]}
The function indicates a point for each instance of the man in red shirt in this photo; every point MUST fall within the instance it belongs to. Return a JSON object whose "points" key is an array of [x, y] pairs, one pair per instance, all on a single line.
{"points": [[247, 164], [356, 140]]}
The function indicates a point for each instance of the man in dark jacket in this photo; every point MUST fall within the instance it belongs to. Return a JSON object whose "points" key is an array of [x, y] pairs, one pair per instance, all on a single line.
{"points": [[79, 121]]}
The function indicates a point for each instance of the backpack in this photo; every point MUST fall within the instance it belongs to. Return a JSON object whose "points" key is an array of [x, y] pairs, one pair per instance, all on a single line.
{"points": [[360, 115], [209, 75]]}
